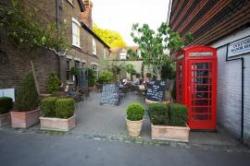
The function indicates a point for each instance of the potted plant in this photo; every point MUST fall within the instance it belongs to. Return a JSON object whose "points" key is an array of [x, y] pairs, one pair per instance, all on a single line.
{"points": [[135, 112], [169, 122], [105, 77], [57, 114], [91, 74], [6, 105], [53, 84], [26, 112]]}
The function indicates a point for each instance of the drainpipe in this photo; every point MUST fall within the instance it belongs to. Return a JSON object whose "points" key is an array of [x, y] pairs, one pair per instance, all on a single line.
{"points": [[60, 63], [242, 91]]}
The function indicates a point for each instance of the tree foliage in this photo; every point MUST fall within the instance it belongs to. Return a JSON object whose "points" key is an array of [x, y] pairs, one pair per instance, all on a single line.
{"points": [[155, 46], [112, 38], [23, 28]]}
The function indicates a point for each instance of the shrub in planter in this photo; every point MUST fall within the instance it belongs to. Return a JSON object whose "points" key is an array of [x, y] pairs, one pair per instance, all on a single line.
{"points": [[135, 112], [159, 113], [58, 114], [26, 113], [48, 107], [65, 107], [178, 114], [169, 122], [6, 105], [53, 83], [27, 96]]}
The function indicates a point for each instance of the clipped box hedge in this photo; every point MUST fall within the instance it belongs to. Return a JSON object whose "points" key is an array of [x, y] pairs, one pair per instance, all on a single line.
{"points": [[48, 107], [158, 113], [177, 114], [65, 107], [6, 104], [54, 107], [173, 114], [135, 112]]}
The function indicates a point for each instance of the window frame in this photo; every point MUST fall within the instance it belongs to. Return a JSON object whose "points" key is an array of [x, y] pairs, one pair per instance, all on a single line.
{"points": [[76, 37], [94, 48]]}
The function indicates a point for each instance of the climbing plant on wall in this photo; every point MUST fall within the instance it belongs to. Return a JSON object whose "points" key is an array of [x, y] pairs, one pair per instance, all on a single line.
{"points": [[22, 27]]}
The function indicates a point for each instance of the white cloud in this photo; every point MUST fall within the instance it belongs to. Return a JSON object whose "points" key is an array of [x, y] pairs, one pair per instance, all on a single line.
{"points": [[119, 15]]}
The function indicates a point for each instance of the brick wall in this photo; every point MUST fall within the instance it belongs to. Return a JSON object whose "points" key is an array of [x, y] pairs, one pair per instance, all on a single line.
{"points": [[15, 64]]}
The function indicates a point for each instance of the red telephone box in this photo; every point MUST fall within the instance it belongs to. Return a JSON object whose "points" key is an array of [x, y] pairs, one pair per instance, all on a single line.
{"points": [[196, 83]]}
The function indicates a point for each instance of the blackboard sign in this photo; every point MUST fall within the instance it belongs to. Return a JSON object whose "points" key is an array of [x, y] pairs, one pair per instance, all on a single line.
{"points": [[110, 94], [156, 90]]}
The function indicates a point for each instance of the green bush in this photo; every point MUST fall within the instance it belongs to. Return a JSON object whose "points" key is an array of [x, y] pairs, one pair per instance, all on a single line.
{"points": [[91, 77], [135, 112], [174, 114], [74, 71], [65, 107], [6, 104], [48, 107], [105, 77], [178, 114], [53, 83], [27, 96], [158, 114]]}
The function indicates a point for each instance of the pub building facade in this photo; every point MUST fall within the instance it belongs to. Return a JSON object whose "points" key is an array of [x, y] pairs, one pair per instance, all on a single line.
{"points": [[224, 25], [85, 50]]}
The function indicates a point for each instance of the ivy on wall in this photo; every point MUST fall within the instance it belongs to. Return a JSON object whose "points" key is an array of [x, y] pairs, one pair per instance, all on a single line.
{"points": [[23, 28]]}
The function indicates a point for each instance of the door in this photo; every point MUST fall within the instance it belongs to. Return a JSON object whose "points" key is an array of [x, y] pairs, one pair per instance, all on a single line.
{"points": [[202, 97]]}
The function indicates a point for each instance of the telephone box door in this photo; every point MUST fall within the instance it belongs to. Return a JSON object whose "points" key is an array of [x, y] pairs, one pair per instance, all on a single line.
{"points": [[202, 96]]}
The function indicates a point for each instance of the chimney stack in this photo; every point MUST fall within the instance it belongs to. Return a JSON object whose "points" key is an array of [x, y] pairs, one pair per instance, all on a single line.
{"points": [[86, 16]]}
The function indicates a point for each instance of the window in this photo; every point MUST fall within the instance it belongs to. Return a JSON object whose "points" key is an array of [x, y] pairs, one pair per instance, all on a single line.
{"points": [[105, 52], [93, 46], [75, 33], [77, 64], [95, 69]]}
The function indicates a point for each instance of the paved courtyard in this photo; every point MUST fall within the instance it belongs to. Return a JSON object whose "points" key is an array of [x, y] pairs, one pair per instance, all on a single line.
{"points": [[31, 149], [107, 122]]}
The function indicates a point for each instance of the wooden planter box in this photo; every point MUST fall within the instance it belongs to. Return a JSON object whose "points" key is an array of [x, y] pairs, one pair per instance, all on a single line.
{"points": [[24, 119], [134, 127], [172, 133], [4, 119], [57, 124]]}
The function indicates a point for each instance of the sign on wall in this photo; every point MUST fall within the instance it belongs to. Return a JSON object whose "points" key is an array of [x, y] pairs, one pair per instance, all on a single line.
{"points": [[239, 47]]}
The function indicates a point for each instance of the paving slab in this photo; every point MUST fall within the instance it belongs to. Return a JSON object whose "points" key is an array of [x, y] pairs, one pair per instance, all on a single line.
{"points": [[107, 122]]}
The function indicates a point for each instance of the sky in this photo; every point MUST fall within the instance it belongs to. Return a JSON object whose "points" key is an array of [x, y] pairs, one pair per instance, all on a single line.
{"points": [[120, 15]]}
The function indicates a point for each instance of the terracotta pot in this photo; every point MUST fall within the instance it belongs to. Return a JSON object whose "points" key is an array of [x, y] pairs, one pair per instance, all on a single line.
{"points": [[4, 119], [24, 119], [173, 133], [57, 124], [134, 127]]}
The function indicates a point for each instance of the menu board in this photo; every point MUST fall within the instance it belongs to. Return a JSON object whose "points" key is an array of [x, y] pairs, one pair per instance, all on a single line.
{"points": [[110, 94], [156, 90]]}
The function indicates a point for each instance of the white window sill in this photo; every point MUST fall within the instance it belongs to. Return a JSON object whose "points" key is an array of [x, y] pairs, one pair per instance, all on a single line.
{"points": [[76, 45]]}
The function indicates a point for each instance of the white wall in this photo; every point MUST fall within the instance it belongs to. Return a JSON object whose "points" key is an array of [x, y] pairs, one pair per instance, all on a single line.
{"points": [[229, 88]]}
